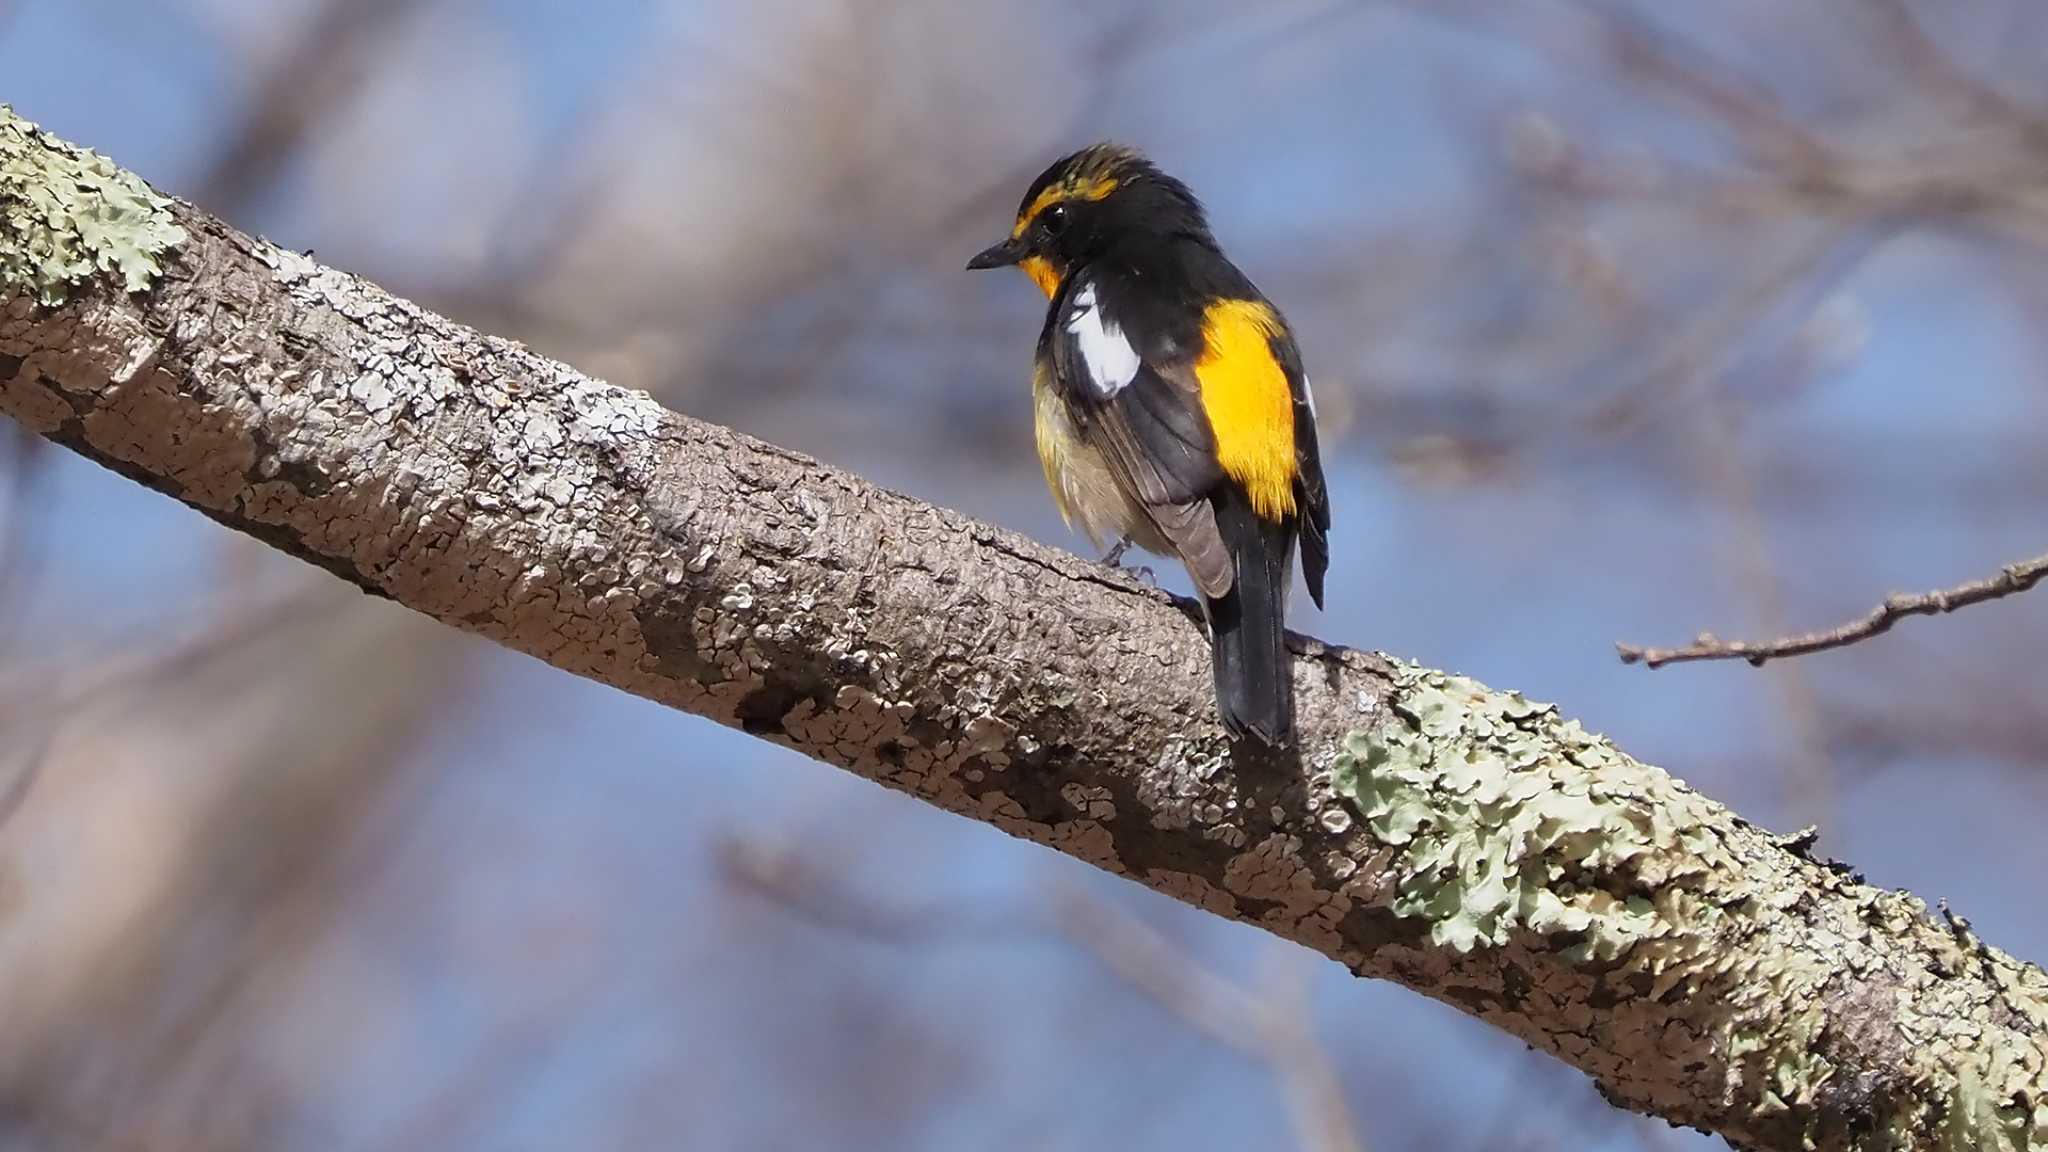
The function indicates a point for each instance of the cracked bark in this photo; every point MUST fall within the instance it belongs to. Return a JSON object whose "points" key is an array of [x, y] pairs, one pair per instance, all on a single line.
{"points": [[1472, 846]]}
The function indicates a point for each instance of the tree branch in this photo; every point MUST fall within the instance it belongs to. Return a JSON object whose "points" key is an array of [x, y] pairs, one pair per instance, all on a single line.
{"points": [[1468, 843], [2011, 580]]}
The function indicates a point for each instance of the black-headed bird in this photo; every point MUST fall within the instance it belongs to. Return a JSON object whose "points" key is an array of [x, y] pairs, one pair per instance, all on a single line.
{"points": [[1172, 409]]}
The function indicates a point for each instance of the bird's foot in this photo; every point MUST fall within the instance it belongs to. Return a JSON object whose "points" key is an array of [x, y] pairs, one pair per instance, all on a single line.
{"points": [[1114, 558]]}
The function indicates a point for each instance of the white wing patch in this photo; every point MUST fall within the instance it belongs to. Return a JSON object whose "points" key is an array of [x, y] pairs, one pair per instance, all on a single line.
{"points": [[1112, 362], [1309, 394]]}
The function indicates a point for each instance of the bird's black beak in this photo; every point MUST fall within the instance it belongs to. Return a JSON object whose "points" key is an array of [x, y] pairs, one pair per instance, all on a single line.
{"points": [[998, 256]]}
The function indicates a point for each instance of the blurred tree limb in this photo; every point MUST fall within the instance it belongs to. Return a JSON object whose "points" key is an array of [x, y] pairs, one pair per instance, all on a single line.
{"points": [[1467, 843], [1273, 1024]]}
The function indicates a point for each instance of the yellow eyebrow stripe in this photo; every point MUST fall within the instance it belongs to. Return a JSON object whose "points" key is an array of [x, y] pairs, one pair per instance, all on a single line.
{"points": [[1250, 408], [1070, 189]]}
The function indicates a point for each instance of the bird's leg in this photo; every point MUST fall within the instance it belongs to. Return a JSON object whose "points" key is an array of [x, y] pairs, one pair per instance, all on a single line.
{"points": [[1115, 559]]}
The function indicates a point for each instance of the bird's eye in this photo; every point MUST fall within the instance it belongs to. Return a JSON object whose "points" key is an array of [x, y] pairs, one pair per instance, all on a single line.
{"points": [[1055, 219]]}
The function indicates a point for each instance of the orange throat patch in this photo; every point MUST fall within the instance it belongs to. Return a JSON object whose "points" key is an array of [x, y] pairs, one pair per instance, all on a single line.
{"points": [[1042, 273]]}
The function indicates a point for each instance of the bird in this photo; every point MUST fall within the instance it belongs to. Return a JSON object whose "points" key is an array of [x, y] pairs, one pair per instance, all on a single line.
{"points": [[1172, 411]]}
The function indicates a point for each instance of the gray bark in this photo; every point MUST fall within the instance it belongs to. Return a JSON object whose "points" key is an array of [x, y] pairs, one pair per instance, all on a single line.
{"points": [[1467, 843]]}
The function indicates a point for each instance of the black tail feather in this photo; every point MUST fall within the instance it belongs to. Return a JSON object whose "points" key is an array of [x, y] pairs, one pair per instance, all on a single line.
{"points": [[1248, 625], [1315, 554]]}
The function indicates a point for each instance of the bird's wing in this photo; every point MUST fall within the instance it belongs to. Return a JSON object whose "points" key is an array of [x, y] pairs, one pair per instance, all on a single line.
{"points": [[1145, 416], [1311, 495]]}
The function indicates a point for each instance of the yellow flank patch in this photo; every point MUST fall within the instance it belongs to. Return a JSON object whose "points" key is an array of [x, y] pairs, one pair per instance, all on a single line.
{"points": [[1042, 273], [1049, 422], [1251, 411], [1072, 188]]}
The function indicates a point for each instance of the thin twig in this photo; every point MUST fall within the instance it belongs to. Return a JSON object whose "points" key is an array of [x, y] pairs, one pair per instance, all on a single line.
{"points": [[2011, 580]]}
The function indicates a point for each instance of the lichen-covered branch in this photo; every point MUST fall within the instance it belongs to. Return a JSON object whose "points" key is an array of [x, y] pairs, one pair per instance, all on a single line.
{"points": [[1470, 844]]}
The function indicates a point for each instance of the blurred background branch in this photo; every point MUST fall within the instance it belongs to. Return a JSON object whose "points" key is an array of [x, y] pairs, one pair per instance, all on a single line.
{"points": [[1275, 1027]]}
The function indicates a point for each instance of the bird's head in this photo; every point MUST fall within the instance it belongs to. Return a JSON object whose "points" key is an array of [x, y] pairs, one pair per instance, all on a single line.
{"points": [[1086, 203]]}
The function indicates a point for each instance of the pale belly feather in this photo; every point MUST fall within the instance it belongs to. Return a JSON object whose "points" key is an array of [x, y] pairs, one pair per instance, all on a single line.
{"points": [[1087, 492]]}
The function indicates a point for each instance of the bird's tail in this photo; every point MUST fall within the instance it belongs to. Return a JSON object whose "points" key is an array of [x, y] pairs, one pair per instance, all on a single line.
{"points": [[1247, 625]]}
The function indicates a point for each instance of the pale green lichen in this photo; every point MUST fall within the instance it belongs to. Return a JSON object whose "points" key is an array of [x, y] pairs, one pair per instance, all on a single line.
{"points": [[1505, 813], [1995, 1101], [1502, 819], [1793, 1071], [68, 213]]}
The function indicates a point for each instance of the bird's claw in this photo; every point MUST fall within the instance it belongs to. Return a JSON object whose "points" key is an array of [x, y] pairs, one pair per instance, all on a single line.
{"points": [[1114, 558]]}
